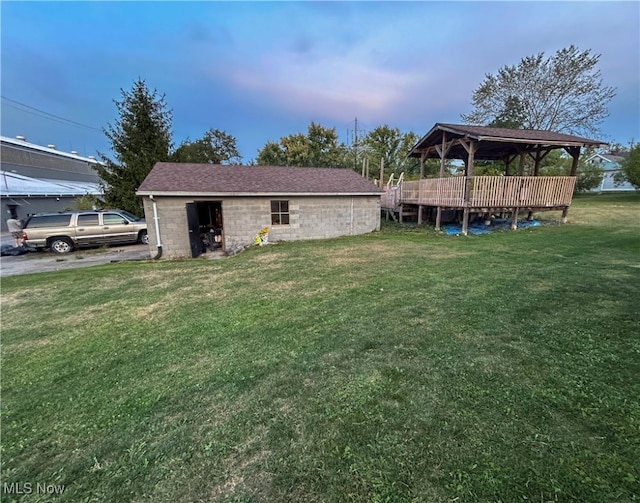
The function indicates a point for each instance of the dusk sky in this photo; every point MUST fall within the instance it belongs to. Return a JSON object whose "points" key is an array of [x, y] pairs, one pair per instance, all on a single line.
{"points": [[263, 70]]}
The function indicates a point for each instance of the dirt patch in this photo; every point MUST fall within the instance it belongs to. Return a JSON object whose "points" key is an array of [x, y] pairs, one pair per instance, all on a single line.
{"points": [[27, 345]]}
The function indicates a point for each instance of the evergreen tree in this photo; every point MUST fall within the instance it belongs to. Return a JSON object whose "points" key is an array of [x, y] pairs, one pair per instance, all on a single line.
{"points": [[140, 137]]}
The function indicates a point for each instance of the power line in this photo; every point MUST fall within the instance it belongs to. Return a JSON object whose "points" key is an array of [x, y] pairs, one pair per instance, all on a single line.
{"points": [[47, 115]]}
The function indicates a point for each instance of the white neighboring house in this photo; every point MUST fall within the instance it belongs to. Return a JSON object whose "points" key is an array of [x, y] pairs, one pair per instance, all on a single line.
{"points": [[610, 165]]}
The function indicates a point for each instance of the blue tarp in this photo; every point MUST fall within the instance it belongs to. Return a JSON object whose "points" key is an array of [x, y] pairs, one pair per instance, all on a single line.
{"points": [[498, 224]]}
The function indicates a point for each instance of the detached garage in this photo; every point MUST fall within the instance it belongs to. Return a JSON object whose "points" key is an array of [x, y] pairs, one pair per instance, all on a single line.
{"points": [[194, 208]]}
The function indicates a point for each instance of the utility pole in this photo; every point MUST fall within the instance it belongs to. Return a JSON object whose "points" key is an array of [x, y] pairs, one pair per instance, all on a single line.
{"points": [[355, 145], [355, 135]]}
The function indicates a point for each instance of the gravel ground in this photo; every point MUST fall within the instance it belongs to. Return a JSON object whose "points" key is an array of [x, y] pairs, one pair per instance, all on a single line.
{"points": [[46, 261]]}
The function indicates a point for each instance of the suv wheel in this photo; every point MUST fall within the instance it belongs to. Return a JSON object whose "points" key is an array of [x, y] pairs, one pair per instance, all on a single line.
{"points": [[143, 238], [61, 245]]}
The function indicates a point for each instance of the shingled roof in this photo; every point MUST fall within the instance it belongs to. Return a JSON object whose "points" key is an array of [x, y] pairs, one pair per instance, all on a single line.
{"points": [[495, 143], [170, 178]]}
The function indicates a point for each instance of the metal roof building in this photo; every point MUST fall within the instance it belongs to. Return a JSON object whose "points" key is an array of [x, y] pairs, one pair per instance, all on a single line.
{"points": [[35, 178]]}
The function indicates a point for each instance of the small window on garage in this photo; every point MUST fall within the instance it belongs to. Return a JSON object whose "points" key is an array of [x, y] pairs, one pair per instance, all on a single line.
{"points": [[279, 212]]}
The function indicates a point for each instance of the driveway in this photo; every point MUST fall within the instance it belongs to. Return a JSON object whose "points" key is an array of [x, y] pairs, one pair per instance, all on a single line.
{"points": [[43, 261]]}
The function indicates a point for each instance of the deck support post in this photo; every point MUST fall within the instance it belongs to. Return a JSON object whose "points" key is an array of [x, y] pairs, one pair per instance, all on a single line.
{"points": [[514, 219], [419, 214], [465, 221], [438, 217], [564, 215]]}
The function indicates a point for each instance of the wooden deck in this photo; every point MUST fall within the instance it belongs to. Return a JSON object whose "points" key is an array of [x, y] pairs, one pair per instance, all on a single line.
{"points": [[481, 194], [484, 192]]}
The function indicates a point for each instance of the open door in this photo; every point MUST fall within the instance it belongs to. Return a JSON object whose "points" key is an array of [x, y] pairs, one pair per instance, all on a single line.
{"points": [[194, 230]]}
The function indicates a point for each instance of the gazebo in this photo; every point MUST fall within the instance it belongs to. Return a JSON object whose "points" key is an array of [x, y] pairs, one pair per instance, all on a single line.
{"points": [[510, 193]]}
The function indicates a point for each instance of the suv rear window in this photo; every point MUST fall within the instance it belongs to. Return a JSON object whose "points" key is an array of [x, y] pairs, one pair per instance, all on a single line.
{"points": [[37, 221]]}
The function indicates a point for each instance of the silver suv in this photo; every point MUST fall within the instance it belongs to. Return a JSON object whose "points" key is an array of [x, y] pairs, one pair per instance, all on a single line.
{"points": [[64, 231]]}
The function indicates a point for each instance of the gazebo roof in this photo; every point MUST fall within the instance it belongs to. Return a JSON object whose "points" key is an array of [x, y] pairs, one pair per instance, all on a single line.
{"points": [[494, 143]]}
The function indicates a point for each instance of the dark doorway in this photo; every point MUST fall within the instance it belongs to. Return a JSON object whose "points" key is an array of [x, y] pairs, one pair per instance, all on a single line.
{"points": [[204, 219], [211, 225], [210, 214]]}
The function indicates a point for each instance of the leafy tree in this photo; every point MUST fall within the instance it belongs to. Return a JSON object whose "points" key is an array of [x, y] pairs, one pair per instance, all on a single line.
{"points": [[411, 165], [324, 148], [631, 167], [271, 155], [318, 148], [512, 115], [385, 142], [588, 175], [296, 148], [140, 138], [215, 147], [86, 202], [561, 93], [488, 168]]}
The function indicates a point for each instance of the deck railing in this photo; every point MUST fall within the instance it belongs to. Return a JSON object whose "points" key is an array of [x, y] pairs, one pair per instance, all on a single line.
{"points": [[484, 192], [391, 197]]}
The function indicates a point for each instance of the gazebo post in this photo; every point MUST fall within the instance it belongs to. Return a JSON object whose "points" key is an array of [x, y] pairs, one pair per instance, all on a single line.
{"points": [[470, 148], [443, 154], [507, 162], [536, 171], [575, 153]]}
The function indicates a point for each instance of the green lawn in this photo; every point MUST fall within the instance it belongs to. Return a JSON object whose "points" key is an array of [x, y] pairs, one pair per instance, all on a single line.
{"points": [[405, 365]]}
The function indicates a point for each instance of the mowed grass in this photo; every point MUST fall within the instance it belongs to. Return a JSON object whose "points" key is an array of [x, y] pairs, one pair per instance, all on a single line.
{"points": [[405, 365]]}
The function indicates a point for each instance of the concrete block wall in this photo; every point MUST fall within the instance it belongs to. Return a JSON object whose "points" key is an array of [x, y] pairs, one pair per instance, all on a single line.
{"points": [[172, 222], [310, 217]]}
